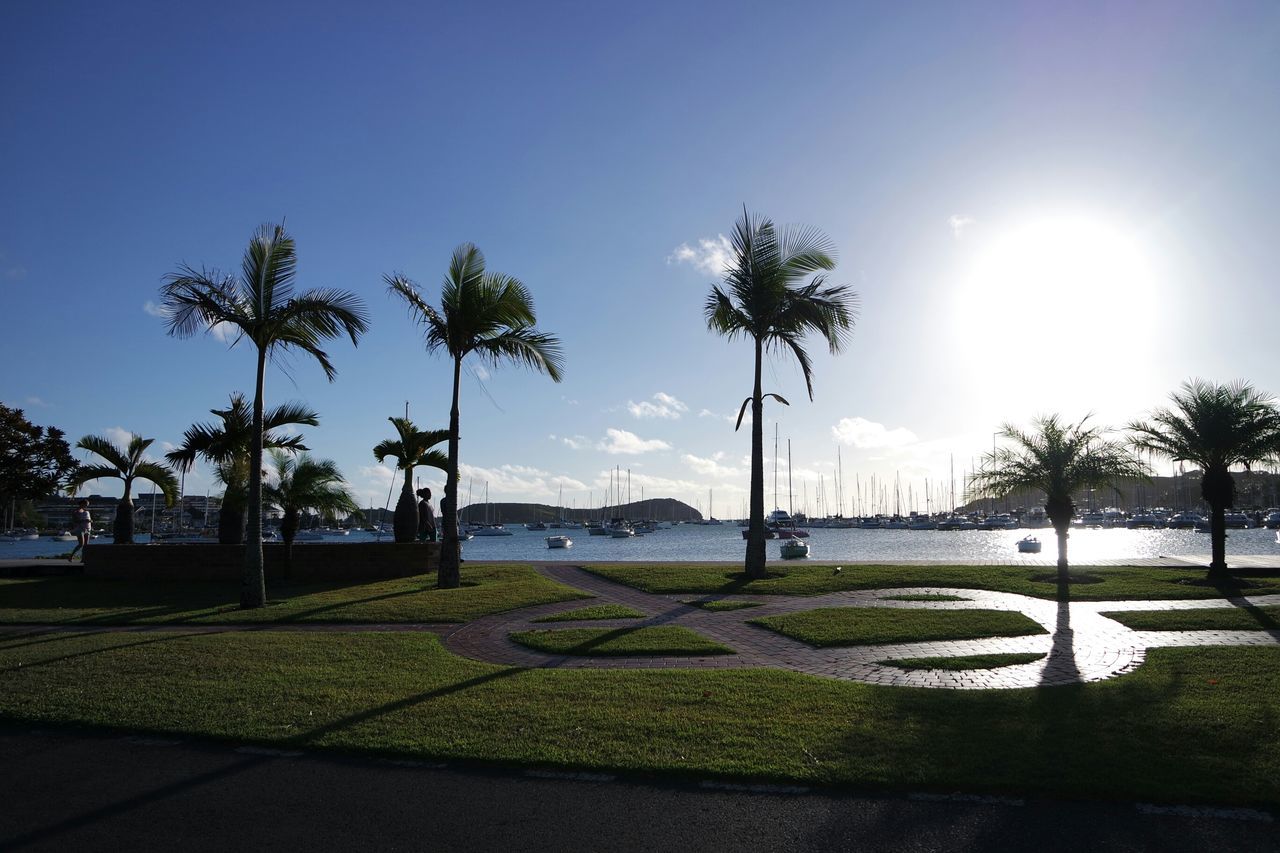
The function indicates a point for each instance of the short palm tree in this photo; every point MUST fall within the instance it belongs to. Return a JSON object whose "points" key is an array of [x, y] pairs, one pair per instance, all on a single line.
{"points": [[260, 305], [304, 483], [765, 298], [126, 464], [226, 446], [488, 314], [1058, 459], [1216, 427], [411, 448]]}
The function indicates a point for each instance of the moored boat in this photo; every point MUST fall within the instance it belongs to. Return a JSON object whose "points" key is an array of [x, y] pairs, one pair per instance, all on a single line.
{"points": [[793, 548], [559, 541], [1029, 545]]}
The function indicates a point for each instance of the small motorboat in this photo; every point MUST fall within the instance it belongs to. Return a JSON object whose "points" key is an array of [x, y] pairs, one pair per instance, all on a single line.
{"points": [[1029, 545], [559, 541], [64, 536], [793, 548]]}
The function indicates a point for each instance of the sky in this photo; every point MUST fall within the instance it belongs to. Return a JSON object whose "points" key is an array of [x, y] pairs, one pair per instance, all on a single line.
{"points": [[1043, 207]]}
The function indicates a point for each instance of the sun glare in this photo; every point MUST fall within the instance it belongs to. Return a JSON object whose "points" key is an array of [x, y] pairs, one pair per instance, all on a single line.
{"points": [[1058, 282]]}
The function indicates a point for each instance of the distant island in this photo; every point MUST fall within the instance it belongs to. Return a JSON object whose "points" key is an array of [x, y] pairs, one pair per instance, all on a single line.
{"points": [[655, 509]]}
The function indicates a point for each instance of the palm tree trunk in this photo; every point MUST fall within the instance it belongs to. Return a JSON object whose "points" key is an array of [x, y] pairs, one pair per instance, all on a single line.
{"points": [[755, 565], [449, 576], [253, 587], [1063, 533], [405, 521], [122, 527], [1218, 539]]}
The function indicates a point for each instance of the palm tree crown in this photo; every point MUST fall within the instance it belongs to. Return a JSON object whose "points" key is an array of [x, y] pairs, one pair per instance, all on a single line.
{"points": [[1058, 459], [126, 464], [411, 448], [260, 304], [488, 314], [305, 483], [1216, 427], [765, 297]]}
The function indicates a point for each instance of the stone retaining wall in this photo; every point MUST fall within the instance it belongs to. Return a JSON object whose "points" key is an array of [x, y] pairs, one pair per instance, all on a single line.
{"points": [[311, 561]]}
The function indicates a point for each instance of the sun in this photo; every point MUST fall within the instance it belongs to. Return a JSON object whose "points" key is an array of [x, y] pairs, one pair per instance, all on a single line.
{"points": [[1064, 285]]}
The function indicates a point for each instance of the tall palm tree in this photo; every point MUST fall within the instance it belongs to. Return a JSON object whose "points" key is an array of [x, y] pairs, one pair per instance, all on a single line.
{"points": [[260, 305], [764, 297], [413, 447], [1058, 459], [1215, 427], [126, 464], [227, 446], [304, 483], [488, 314]]}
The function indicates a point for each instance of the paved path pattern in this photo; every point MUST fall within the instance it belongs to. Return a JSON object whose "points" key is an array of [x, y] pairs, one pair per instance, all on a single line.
{"points": [[1081, 645]]}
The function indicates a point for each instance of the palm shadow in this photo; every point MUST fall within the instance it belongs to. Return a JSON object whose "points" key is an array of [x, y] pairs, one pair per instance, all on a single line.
{"points": [[1060, 665]]}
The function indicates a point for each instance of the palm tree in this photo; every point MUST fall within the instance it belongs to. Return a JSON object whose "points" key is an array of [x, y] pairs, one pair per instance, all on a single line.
{"points": [[412, 448], [764, 297], [1215, 427], [304, 483], [227, 447], [491, 315], [1059, 460], [125, 464], [260, 305]]}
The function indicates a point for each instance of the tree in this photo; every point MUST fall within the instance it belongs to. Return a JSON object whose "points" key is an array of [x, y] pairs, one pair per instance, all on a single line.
{"points": [[127, 464], [412, 448], [1216, 427], [34, 461], [228, 447], [1057, 459], [765, 299], [304, 483], [260, 305], [488, 314]]}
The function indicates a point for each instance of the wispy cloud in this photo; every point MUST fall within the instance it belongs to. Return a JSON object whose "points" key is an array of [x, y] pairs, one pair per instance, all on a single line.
{"points": [[619, 441], [665, 407], [573, 442], [959, 222], [520, 481], [481, 373], [154, 309], [862, 433], [711, 256], [710, 467], [37, 402]]}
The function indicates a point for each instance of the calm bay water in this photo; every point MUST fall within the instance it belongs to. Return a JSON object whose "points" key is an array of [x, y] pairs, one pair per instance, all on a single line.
{"points": [[724, 542]]}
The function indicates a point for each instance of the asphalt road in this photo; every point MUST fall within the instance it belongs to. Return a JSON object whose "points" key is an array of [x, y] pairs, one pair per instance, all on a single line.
{"points": [[64, 791]]}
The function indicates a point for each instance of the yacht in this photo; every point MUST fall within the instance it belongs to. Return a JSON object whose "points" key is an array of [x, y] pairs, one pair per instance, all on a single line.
{"points": [[1029, 545], [559, 541], [490, 530], [793, 548]]}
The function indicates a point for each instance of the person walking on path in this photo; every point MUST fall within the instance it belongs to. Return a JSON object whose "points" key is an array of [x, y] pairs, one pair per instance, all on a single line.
{"points": [[81, 526], [426, 517]]}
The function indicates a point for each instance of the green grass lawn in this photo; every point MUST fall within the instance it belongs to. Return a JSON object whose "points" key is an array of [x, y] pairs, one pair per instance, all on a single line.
{"points": [[620, 642], [924, 597], [964, 662], [1248, 618], [1089, 583], [79, 600], [721, 605], [596, 611], [1190, 725], [867, 626]]}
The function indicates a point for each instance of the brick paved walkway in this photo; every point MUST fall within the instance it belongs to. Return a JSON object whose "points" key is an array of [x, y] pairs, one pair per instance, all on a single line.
{"points": [[1081, 644]]}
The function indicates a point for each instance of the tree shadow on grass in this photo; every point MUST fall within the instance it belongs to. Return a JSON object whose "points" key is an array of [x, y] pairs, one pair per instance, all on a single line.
{"points": [[1060, 665], [73, 655]]}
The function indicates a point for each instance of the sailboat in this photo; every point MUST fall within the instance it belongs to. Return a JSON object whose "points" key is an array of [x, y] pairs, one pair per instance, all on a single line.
{"points": [[792, 546], [488, 529]]}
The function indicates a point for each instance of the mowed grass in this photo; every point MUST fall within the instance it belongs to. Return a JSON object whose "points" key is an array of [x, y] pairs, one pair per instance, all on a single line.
{"points": [[1244, 618], [924, 596], [1089, 583], [868, 626], [596, 611], [620, 642], [1190, 725], [79, 600], [721, 605], [964, 662]]}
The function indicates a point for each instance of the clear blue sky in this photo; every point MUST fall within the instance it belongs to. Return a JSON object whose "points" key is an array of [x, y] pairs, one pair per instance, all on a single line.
{"points": [[1044, 206]]}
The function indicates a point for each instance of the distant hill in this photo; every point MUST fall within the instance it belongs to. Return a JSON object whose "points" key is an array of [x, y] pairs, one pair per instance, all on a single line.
{"points": [[1254, 490], [658, 509]]}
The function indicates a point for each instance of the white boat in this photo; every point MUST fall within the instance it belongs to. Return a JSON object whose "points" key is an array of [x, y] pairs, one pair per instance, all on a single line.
{"points": [[559, 541], [64, 536], [308, 536], [490, 530], [791, 549], [1029, 545]]}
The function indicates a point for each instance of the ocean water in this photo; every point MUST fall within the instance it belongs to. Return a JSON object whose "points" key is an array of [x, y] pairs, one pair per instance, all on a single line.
{"points": [[725, 542]]}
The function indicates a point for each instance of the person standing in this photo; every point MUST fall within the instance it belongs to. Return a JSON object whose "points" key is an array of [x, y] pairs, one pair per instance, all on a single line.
{"points": [[426, 517], [81, 526]]}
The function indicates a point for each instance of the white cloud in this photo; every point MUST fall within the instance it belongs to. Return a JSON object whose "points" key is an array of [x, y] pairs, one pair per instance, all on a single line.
{"points": [[712, 255], [707, 413], [959, 222], [119, 436], [574, 442], [619, 441], [568, 401], [223, 332], [665, 407], [519, 481], [481, 373], [37, 402], [154, 310], [710, 467], [862, 433]]}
